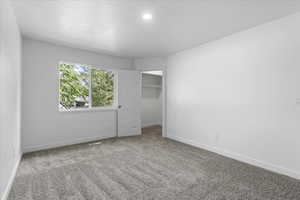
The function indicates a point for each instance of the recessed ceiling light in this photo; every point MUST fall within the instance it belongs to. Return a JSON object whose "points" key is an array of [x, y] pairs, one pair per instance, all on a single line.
{"points": [[147, 16]]}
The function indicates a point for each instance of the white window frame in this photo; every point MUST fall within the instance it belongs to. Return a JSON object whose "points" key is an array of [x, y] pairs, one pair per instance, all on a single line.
{"points": [[90, 108]]}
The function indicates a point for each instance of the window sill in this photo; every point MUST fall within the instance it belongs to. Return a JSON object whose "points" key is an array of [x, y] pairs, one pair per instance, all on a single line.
{"points": [[102, 109]]}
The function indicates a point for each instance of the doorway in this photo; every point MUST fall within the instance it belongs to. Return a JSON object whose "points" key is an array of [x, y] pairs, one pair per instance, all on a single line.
{"points": [[152, 102]]}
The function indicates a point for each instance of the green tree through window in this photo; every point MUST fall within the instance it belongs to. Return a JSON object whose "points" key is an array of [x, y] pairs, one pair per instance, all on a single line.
{"points": [[102, 88], [77, 82]]}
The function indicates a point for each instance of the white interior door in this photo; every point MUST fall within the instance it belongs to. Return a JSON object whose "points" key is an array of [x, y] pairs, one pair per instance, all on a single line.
{"points": [[129, 95]]}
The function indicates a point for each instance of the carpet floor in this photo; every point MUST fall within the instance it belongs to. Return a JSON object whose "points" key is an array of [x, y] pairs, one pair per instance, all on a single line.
{"points": [[144, 167]]}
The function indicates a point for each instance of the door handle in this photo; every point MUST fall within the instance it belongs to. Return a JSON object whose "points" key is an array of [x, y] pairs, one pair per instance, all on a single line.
{"points": [[120, 106]]}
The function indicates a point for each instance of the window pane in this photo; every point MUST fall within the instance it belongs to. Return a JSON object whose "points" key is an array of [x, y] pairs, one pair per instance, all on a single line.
{"points": [[74, 86], [102, 88]]}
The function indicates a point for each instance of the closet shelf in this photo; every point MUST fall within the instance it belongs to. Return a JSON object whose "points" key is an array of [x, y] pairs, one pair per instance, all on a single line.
{"points": [[152, 86]]}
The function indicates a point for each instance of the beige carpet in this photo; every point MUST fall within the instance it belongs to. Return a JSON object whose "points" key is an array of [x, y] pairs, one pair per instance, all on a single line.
{"points": [[144, 167]]}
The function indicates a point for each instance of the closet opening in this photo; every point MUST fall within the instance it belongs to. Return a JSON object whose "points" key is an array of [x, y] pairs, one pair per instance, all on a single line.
{"points": [[152, 103]]}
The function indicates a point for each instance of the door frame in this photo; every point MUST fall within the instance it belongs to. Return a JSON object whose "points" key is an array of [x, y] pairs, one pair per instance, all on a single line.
{"points": [[163, 90]]}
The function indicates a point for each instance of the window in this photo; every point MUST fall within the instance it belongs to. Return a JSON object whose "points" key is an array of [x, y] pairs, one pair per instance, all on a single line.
{"points": [[84, 87]]}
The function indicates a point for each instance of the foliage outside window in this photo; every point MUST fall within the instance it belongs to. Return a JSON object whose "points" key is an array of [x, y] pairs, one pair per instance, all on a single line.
{"points": [[85, 87]]}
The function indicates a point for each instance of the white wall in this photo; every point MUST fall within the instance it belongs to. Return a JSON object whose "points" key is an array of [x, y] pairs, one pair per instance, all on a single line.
{"points": [[240, 96], [151, 101], [155, 63], [43, 125], [10, 75]]}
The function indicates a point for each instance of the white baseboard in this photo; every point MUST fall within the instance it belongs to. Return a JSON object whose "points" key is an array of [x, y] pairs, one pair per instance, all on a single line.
{"points": [[28, 149], [236, 156], [151, 124], [11, 179]]}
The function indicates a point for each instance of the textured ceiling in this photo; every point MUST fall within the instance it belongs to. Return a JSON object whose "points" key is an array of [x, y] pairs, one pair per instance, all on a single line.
{"points": [[116, 27]]}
